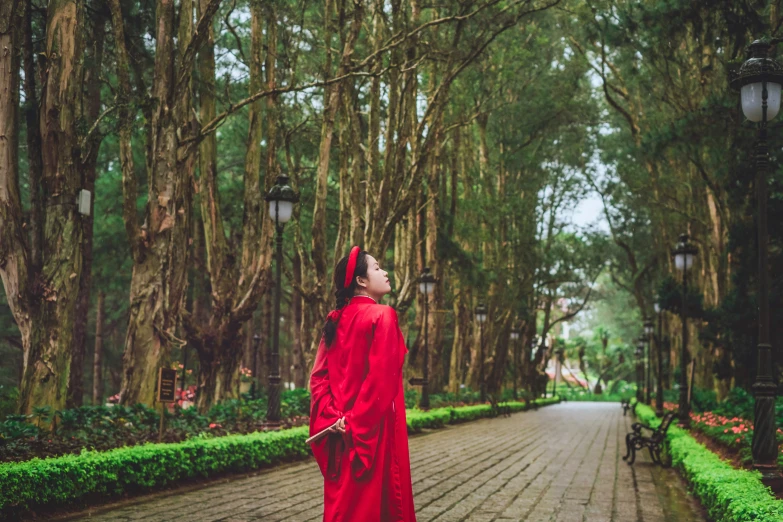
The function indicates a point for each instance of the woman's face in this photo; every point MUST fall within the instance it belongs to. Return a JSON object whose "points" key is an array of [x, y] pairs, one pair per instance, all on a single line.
{"points": [[376, 284]]}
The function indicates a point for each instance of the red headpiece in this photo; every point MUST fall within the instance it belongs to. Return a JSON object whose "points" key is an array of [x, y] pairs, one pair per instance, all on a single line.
{"points": [[351, 266]]}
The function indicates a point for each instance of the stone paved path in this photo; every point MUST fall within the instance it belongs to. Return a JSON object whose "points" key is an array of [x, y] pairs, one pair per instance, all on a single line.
{"points": [[560, 463]]}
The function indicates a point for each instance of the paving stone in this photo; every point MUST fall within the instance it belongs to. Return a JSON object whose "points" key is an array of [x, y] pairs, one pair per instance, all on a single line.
{"points": [[558, 464]]}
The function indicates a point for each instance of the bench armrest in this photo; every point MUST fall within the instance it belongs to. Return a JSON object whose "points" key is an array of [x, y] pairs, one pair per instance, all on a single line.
{"points": [[638, 426]]}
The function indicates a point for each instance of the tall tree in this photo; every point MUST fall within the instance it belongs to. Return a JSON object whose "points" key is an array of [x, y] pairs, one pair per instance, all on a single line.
{"points": [[43, 296], [160, 245]]}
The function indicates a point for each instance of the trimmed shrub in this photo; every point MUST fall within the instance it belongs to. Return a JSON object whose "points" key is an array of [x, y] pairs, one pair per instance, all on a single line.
{"points": [[728, 494], [66, 479], [435, 418]]}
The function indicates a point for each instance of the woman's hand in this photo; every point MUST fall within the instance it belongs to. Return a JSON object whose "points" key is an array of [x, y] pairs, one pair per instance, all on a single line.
{"points": [[340, 426]]}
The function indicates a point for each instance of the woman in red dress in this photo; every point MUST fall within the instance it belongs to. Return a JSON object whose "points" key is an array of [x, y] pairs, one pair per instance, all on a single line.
{"points": [[357, 383]]}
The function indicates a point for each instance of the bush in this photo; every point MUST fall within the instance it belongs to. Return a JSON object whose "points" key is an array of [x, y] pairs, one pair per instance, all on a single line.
{"points": [[435, 418], [584, 395], [72, 477], [728, 494], [441, 400], [412, 398], [739, 403]]}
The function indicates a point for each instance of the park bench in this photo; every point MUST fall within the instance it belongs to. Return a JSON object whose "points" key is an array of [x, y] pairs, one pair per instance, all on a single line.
{"points": [[655, 442]]}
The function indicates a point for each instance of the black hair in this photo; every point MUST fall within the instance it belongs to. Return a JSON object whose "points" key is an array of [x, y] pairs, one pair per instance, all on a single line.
{"points": [[343, 294]]}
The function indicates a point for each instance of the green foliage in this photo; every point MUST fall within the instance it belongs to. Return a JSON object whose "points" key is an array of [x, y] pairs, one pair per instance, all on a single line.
{"points": [[439, 400], [728, 494], [103, 428], [127, 470], [701, 399], [586, 396], [435, 418], [8, 398], [739, 403], [412, 398]]}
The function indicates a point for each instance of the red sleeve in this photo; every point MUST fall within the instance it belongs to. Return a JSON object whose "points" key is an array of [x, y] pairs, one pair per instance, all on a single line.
{"points": [[377, 392], [323, 412]]}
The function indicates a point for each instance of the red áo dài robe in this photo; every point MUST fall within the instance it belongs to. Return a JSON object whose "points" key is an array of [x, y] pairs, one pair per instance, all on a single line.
{"points": [[367, 474]]}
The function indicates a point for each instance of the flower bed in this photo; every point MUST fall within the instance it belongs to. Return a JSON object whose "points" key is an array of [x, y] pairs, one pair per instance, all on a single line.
{"points": [[728, 494], [75, 478], [735, 433]]}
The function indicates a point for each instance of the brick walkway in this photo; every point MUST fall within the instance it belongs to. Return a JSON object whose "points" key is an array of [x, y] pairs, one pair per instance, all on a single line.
{"points": [[561, 463]]}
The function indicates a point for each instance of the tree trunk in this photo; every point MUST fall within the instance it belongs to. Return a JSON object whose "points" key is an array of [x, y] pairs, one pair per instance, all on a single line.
{"points": [[161, 250], [318, 303], [32, 119], [301, 364], [235, 292], [14, 255], [46, 373], [219, 358], [89, 161], [97, 365]]}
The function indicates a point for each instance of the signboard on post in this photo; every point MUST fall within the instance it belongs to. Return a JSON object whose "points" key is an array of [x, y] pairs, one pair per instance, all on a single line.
{"points": [[167, 392], [417, 381], [167, 385]]}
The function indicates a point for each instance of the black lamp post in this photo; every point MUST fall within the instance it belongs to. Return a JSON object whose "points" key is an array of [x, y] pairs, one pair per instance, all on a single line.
{"points": [[684, 255], [659, 354], [481, 316], [759, 82], [281, 200], [648, 334], [426, 286], [515, 356], [639, 368]]}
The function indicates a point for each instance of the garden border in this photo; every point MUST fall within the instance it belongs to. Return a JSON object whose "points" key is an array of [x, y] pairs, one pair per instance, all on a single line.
{"points": [[728, 494], [63, 480]]}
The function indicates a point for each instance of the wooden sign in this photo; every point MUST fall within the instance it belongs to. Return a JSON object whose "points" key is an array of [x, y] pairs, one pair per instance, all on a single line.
{"points": [[417, 381], [167, 385]]}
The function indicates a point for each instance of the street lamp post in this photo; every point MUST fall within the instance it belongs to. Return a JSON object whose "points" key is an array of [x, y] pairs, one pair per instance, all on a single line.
{"points": [[684, 255], [426, 286], [659, 353], [481, 316], [281, 199], [759, 81], [515, 356], [639, 368], [648, 333]]}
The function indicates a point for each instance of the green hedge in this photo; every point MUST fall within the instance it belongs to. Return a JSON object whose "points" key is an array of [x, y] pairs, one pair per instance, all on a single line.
{"points": [[71, 478], [435, 418], [59, 480], [728, 494], [439, 417]]}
